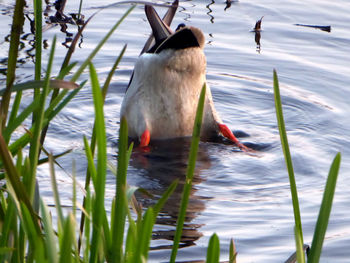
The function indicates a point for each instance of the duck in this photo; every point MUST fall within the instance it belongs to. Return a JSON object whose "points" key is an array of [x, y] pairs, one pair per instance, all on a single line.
{"points": [[161, 99]]}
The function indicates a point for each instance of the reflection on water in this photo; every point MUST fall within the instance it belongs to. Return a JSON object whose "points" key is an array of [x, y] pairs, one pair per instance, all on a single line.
{"points": [[257, 31], [27, 38], [162, 165], [63, 20], [210, 11]]}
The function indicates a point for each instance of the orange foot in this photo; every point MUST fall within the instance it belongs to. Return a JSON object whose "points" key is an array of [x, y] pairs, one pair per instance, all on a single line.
{"points": [[226, 132], [145, 138]]}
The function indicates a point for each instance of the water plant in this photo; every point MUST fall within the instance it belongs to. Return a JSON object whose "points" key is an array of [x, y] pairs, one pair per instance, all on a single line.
{"points": [[27, 233], [322, 222]]}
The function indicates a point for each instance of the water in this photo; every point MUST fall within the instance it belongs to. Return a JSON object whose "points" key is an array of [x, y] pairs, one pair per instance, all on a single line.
{"points": [[234, 194]]}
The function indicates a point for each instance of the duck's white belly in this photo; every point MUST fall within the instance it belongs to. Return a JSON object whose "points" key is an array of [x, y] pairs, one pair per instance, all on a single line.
{"points": [[164, 93]]}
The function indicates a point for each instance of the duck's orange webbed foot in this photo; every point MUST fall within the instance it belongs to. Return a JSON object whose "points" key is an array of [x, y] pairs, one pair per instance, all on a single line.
{"points": [[226, 132], [144, 140]]}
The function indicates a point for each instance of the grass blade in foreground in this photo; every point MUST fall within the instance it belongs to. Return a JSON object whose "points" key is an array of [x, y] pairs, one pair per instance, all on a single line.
{"points": [[190, 172], [93, 137], [39, 113], [50, 239], [233, 253], [325, 210], [213, 252], [118, 223], [98, 209], [289, 164], [16, 29]]}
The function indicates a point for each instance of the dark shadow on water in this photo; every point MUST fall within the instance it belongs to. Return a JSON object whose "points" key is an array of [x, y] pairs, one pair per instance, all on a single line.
{"points": [[165, 162]]}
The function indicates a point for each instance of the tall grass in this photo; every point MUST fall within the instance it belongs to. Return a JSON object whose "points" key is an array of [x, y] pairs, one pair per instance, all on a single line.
{"points": [[27, 232], [326, 205]]}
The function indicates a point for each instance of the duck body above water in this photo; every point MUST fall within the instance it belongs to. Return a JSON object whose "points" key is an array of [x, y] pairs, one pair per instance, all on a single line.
{"points": [[162, 97]]}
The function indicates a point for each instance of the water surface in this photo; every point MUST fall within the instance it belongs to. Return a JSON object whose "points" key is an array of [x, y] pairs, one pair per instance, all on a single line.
{"points": [[235, 195]]}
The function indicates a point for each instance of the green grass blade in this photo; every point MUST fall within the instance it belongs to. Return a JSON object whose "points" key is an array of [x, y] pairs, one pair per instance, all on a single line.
{"points": [[213, 252], [49, 115], [13, 179], [131, 238], [90, 173], [325, 210], [16, 30], [38, 37], [6, 250], [35, 142], [107, 237], [294, 257], [7, 224], [91, 164], [60, 218], [80, 7], [98, 209], [54, 157], [87, 224], [38, 48], [160, 203], [14, 110], [93, 137], [67, 240], [37, 84], [144, 238], [65, 70], [16, 122], [111, 73], [120, 207], [34, 237], [289, 164], [131, 242], [299, 243], [128, 155], [50, 240], [51, 112], [233, 252], [189, 174]]}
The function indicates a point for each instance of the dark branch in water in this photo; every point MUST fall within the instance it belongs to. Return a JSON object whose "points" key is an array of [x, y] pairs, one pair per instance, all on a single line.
{"points": [[323, 28]]}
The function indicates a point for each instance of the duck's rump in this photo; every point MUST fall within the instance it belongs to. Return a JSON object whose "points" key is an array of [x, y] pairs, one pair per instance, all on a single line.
{"points": [[164, 93]]}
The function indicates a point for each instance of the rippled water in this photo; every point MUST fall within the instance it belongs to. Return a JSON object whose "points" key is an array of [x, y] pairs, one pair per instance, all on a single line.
{"points": [[236, 195]]}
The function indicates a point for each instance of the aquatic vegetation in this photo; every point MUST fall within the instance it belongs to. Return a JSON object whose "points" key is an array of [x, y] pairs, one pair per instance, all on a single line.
{"points": [[322, 222], [27, 232]]}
